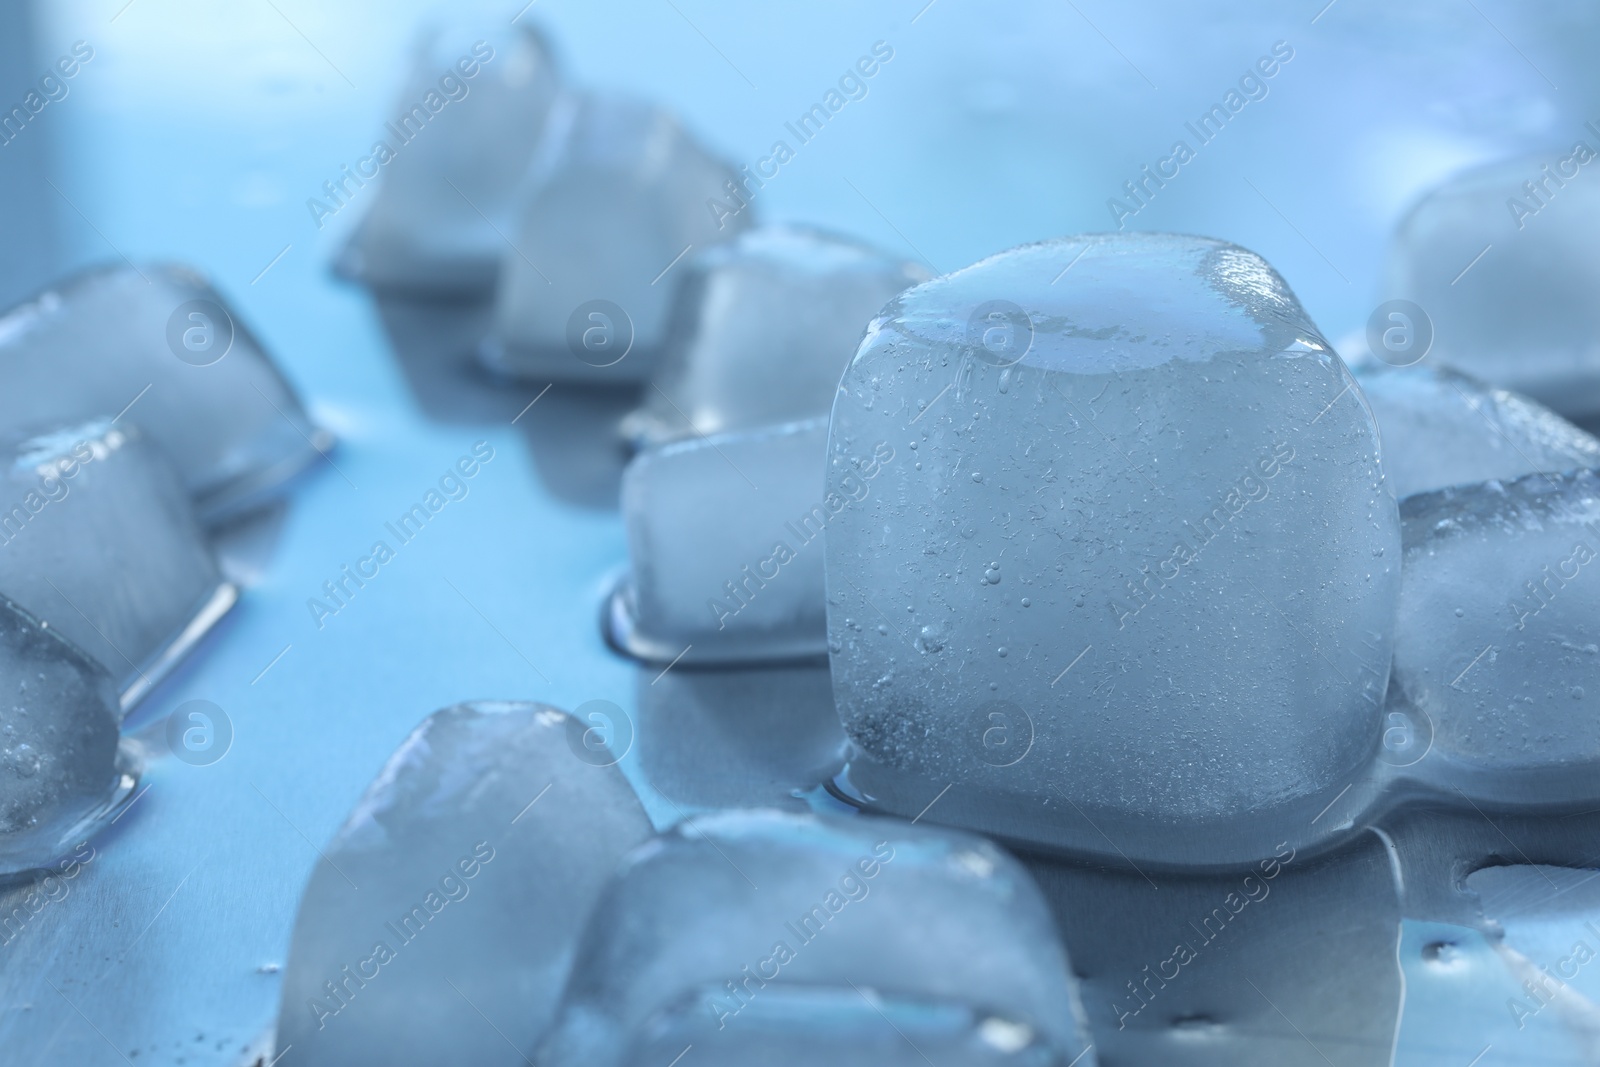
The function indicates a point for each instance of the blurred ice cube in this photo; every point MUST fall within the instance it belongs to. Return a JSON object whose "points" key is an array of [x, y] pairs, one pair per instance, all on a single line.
{"points": [[767, 324], [759, 923], [1496, 647], [98, 538], [454, 152], [1132, 571], [62, 770], [724, 545], [1443, 428], [440, 926], [159, 344], [1504, 261], [620, 195]]}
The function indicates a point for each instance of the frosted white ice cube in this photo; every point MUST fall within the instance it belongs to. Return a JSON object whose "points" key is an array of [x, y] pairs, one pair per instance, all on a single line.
{"points": [[1497, 651], [725, 546], [620, 195], [767, 323], [1443, 428], [1504, 261], [449, 160], [98, 538], [458, 886], [1133, 575], [764, 922], [160, 344], [63, 773]]}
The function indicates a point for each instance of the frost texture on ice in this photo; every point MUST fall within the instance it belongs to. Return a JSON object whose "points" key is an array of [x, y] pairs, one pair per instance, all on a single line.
{"points": [[618, 194], [1495, 646], [1442, 428], [63, 773], [1522, 316], [758, 928], [725, 546], [766, 324], [98, 538], [97, 344], [1134, 568], [448, 194], [458, 885]]}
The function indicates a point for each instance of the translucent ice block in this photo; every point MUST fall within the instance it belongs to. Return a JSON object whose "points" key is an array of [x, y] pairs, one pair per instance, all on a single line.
{"points": [[158, 343], [620, 196], [768, 322], [441, 924], [449, 161], [1495, 648], [757, 928], [1133, 576], [724, 546], [62, 770], [98, 538], [1443, 428], [1503, 260]]}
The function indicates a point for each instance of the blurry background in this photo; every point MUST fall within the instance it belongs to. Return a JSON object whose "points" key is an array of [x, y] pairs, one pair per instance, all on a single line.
{"points": [[198, 131]]}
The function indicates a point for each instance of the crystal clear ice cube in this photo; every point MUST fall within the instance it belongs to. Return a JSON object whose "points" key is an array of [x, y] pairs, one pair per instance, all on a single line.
{"points": [[447, 194], [1132, 573], [766, 921], [457, 886], [767, 323]]}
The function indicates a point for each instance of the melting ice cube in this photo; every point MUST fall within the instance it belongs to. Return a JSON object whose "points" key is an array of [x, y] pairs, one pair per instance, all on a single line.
{"points": [[1496, 647], [1443, 428], [450, 160], [768, 323], [1134, 572], [620, 196], [158, 344], [62, 771], [98, 538], [1503, 260], [744, 927], [725, 546], [441, 925]]}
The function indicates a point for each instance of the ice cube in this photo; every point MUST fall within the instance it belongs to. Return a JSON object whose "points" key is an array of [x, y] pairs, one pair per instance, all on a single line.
{"points": [[1131, 573], [1495, 647], [724, 544], [63, 773], [450, 160], [98, 538], [1502, 260], [441, 925], [768, 322], [757, 923], [1443, 428], [620, 196], [159, 345]]}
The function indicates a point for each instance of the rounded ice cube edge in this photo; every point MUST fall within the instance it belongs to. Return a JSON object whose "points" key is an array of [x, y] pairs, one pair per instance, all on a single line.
{"points": [[208, 614], [619, 625]]}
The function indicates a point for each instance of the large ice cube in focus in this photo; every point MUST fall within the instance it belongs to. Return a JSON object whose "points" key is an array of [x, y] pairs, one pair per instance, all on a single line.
{"points": [[1443, 428], [445, 201], [98, 538], [725, 546], [440, 926], [1496, 643], [767, 323], [62, 770], [1132, 574], [757, 928], [159, 343], [621, 194], [1522, 316]]}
